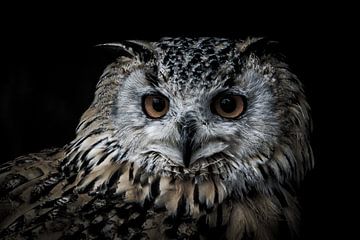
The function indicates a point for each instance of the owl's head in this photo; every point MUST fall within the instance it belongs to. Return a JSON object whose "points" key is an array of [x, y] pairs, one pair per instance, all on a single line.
{"points": [[201, 108]]}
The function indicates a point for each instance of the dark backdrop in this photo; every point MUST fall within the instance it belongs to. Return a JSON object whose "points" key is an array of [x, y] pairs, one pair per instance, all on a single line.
{"points": [[50, 68]]}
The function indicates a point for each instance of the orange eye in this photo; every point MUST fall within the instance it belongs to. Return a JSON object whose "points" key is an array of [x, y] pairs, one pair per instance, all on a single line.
{"points": [[228, 106], [155, 106]]}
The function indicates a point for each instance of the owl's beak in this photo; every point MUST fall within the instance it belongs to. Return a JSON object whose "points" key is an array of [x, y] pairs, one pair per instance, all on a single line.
{"points": [[186, 144], [187, 129]]}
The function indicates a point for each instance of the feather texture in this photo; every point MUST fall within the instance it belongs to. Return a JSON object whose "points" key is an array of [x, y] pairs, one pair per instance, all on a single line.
{"points": [[124, 176]]}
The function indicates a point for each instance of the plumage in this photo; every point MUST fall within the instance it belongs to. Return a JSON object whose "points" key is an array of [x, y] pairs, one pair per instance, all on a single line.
{"points": [[191, 173]]}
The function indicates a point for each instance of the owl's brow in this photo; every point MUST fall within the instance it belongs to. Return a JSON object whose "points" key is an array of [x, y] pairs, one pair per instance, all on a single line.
{"points": [[229, 82], [152, 78], [228, 75]]}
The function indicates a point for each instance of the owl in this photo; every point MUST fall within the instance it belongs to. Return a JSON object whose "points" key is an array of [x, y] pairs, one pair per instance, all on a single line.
{"points": [[186, 138]]}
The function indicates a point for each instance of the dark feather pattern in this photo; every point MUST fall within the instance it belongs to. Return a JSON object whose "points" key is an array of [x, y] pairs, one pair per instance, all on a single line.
{"points": [[175, 209], [121, 178]]}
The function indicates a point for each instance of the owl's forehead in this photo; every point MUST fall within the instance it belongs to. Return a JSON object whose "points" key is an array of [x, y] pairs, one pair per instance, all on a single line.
{"points": [[195, 62]]}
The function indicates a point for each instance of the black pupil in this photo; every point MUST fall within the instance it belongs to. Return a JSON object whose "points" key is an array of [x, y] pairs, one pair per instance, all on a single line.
{"points": [[227, 104], [158, 104]]}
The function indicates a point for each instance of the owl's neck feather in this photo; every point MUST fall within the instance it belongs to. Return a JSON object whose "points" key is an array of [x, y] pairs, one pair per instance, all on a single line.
{"points": [[126, 179], [103, 170], [99, 173], [187, 199]]}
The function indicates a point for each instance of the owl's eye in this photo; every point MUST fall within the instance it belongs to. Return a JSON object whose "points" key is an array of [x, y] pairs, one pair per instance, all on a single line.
{"points": [[228, 106], [155, 106]]}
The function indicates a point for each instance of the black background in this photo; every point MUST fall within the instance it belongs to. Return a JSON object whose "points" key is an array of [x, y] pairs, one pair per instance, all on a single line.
{"points": [[49, 69]]}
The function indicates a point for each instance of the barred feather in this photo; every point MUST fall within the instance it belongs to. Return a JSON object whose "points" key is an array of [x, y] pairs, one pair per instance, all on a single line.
{"points": [[122, 177]]}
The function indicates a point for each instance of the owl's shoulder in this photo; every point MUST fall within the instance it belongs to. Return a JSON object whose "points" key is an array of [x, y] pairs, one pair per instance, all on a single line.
{"points": [[19, 179], [20, 174]]}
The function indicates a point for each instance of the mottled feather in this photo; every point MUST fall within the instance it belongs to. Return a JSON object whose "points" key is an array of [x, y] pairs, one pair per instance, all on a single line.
{"points": [[124, 175]]}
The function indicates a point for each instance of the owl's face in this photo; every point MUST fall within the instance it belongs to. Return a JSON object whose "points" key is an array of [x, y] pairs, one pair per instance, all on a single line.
{"points": [[207, 107]]}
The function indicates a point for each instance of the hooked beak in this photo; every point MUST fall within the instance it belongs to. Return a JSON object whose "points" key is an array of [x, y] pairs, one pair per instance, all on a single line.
{"points": [[187, 129]]}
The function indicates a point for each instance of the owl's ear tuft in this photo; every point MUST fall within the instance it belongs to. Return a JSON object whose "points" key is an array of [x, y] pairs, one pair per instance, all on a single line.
{"points": [[131, 48], [260, 46]]}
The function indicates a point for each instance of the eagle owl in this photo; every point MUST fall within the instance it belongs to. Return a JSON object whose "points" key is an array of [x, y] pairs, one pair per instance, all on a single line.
{"points": [[186, 138]]}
